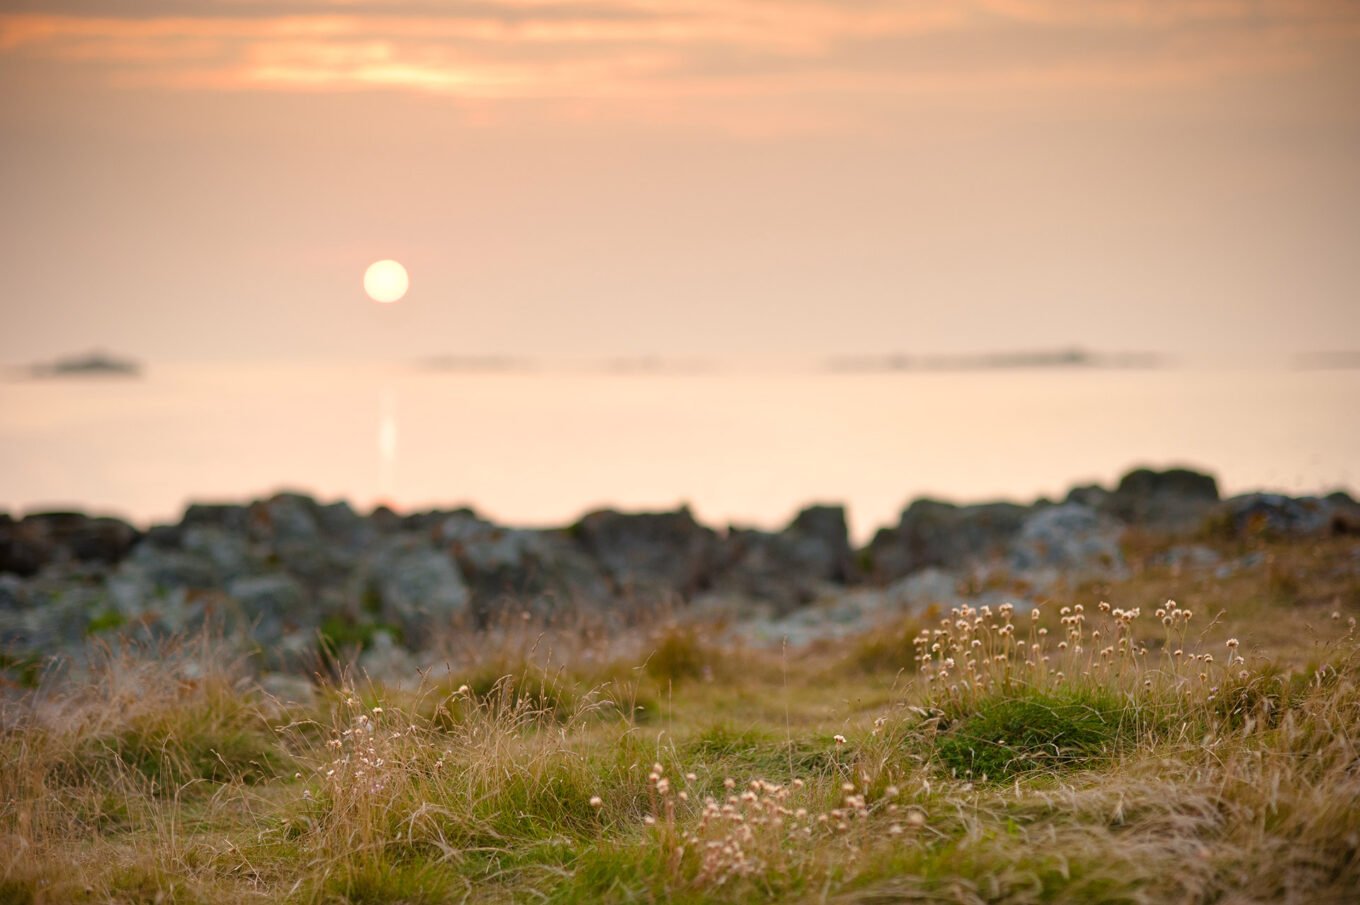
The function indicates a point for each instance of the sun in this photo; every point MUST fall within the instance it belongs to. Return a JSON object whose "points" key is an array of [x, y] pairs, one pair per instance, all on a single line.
{"points": [[386, 281]]}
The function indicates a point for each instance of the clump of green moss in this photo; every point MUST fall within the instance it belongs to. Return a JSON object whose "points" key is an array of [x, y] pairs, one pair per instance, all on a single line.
{"points": [[1009, 735]]}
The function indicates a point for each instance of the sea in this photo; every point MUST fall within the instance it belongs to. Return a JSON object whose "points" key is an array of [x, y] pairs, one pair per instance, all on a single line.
{"points": [[543, 445]]}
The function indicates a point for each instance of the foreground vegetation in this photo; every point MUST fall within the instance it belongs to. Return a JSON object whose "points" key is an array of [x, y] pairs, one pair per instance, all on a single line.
{"points": [[1111, 746]]}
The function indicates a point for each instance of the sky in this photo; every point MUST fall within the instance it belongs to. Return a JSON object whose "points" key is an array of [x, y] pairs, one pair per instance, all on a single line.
{"points": [[694, 179]]}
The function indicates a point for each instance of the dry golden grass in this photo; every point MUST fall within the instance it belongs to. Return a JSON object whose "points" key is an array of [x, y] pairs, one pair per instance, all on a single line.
{"points": [[1094, 752]]}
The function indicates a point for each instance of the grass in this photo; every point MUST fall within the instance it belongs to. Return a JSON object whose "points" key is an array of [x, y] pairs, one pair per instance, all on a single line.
{"points": [[1131, 751]]}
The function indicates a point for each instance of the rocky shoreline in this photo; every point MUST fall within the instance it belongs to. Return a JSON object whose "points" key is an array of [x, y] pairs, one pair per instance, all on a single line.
{"points": [[287, 577]]}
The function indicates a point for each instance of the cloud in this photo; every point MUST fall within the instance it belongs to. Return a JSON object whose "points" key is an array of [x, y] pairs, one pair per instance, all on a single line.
{"points": [[654, 49]]}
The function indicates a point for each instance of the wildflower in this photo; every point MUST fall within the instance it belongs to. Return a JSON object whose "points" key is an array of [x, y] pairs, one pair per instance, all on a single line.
{"points": [[1232, 644], [596, 801], [691, 777], [838, 739]]}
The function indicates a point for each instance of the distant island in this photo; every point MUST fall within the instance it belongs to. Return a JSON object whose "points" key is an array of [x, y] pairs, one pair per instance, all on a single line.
{"points": [[1333, 360], [91, 364], [474, 363], [986, 361]]}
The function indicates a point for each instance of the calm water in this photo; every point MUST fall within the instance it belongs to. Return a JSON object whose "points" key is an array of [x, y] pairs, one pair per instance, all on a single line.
{"points": [[746, 447]]}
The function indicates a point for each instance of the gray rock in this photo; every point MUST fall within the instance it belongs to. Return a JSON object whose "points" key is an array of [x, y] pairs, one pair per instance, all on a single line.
{"points": [[1188, 556], [288, 690], [229, 517], [790, 568], [542, 570], [386, 661], [28, 545], [1070, 537], [1175, 500], [932, 533], [285, 517], [341, 524], [650, 556], [417, 586], [930, 586], [275, 605], [227, 552], [1276, 515], [823, 538], [172, 568]]}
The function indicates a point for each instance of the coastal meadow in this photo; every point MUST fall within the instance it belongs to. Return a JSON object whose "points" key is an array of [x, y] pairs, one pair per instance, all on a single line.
{"points": [[1115, 744]]}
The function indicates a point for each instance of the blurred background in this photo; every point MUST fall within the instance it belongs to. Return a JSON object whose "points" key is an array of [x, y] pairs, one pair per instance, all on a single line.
{"points": [[739, 254]]}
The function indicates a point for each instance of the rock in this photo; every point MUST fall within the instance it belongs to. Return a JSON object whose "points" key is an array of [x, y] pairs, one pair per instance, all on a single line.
{"points": [[285, 517], [384, 660], [341, 524], [542, 570], [171, 568], [822, 536], [928, 587], [1070, 537], [227, 552], [1092, 495], [274, 607], [790, 568], [650, 556], [229, 517], [1188, 556], [288, 690], [1175, 500], [24, 549], [11, 592], [932, 533], [28, 545], [416, 586], [1276, 515], [1345, 514]]}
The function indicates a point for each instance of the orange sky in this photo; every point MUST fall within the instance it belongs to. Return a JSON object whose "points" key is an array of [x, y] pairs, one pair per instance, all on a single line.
{"points": [[713, 178]]}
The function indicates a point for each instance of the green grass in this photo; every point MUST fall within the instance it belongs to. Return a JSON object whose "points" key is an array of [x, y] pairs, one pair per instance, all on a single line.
{"points": [[856, 771], [1030, 732]]}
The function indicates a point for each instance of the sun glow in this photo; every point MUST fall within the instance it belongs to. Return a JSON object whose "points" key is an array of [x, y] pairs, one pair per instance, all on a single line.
{"points": [[386, 281]]}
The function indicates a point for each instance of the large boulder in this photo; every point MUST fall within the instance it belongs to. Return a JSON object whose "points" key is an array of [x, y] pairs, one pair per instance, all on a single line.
{"points": [[1276, 515], [274, 607], [36, 540], [650, 556], [822, 538], [933, 533], [165, 568], [24, 548], [789, 568], [231, 517], [228, 553], [1072, 538], [409, 583], [1175, 500], [285, 517], [542, 570]]}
